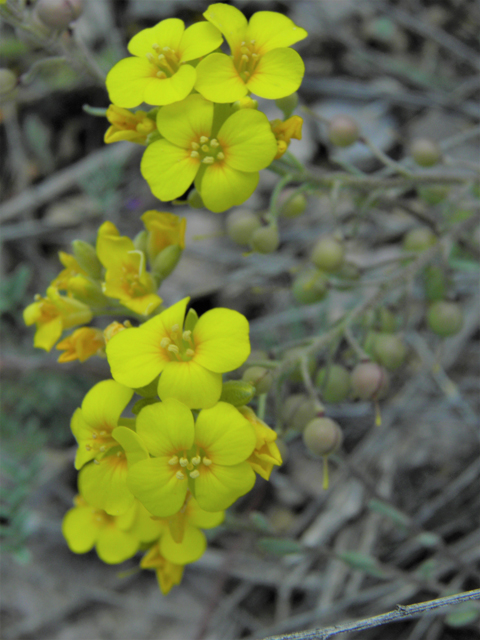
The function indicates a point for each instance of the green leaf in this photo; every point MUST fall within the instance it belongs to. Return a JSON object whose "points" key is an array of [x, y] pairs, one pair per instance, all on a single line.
{"points": [[463, 615], [13, 288], [362, 562], [280, 546], [384, 509], [260, 521]]}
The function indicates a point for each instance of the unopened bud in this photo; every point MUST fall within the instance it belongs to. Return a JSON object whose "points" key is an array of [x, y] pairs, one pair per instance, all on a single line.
{"points": [[260, 377], [419, 239], [369, 381], [87, 291], [426, 153], [445, 318], [343, 131], [58, 14], [166, 261], [194, 200], [322, 436], [265, 239], [310, 286], [241, 224], [435, 283], [390, 350], [8, 81], [86, 257], [334, 383], [328, 254], [237, 392], [298, 409], [291, 205], [245, 103], [191, 320], [141, 241], [288, 104]]}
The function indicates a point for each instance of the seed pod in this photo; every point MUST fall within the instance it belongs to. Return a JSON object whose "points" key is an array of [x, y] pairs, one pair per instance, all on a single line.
{"points": [[237, 392], [298, 409], [328, 254], [265, 239], [322, 436], [58, 14], [387, 321], [292, 207], [241, 224], [294, 369], [310, 286], [389, 350], [419, 239], [334, 383], [343, 131], [435, 283], [425, 152], [369, 381], [435, 194], [260, 377], [445, 318], [8, 81]]}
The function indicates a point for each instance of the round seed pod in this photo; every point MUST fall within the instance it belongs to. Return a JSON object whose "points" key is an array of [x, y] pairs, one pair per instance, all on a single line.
{"points": [[322, 436], [369, 381], [310, 286], [8, 81], [343, 131], [241, 224], [260, 377], [328, 254], [294, 206], [334, 383], [237, 392], [445, 318], [265, 239], [425, 152], [389, 350], [387, 321], [419, 239], [295, 372], [58, 14], [297, 410]]}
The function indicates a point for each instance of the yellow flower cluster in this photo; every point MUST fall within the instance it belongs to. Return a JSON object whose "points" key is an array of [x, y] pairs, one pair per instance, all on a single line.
{"points": [[202, 129]]}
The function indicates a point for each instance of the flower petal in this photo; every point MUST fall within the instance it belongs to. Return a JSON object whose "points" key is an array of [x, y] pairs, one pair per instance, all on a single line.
{"points": [[131, 443], [203, 519], [167, 33], [198, 40], [218, 80], [166, 427], [217, 488], [154, 483], [189, 550], [168, 90], [248, 141], [168, 169], [226, 436], [104, 485], [221, 340], [190, 383], [104, 403], [181, 124], [79, 529], [223, 187], [278, 74], [229, 20], [272, 30], [115, 546], [127, 80], [47, 334]]}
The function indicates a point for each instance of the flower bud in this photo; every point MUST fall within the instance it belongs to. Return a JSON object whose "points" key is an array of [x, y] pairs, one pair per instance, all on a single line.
{"points": [[237, 392], [298, 409], [194, 200], [245, 103], [8, 81], [323, 436], [425, 152], [343, 131], [260, 377], [387, 320], [435, 283], [292, 207], [445, 318], [419, 239], [265, 239], [288, 104], [310, 286], [141, 241], [328, 254], [389, 350], [86, 257], [241, 224], [58, 14], [87, 291], [369, 381], [334, 383], [166, 261]]}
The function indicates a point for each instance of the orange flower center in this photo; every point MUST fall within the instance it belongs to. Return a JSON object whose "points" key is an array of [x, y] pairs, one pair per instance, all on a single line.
{"points": [[101, 439], [179, 346], [246, 59], [187, 463], [165, 60], [207, 150], [131, 282]]}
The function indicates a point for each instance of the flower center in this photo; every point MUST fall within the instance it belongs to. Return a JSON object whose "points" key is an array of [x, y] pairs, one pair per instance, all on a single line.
{"points": [[178, 345], [101, 439], [132, 284], [165, 60], [207, 150], [187, 463], [246, 59]]}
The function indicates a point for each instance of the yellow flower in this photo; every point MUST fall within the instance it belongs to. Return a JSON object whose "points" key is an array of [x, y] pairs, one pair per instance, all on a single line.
{"points": [[126, 278], [284, 131], [164, 230], [72, 269], [261, 62], [206, 457], [81, 345], [52, 315], [134, 127], [224, 164], [168, 573], [115, 538], [157, 74], [266, 453], [113, 328], [190, 361]]}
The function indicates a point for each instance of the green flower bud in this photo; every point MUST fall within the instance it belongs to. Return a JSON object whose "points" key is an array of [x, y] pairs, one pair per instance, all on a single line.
{"points": [[241, 224], [343, 131], [87, 291], [166, 261], [426, 153], [419, 239], [323, 436], [310, 286], [369, 381], [141, 241], [334, 383], [445, 318], [191, 320], [237, 392], [298, 409], [265, 239], [435, 283], [260, 378], [86, 256], [194, 200], [387, 321], [291, 356], [328, 254], [389, 350], [58, 14], [8, 81], [292, 206], [288, 104]]}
